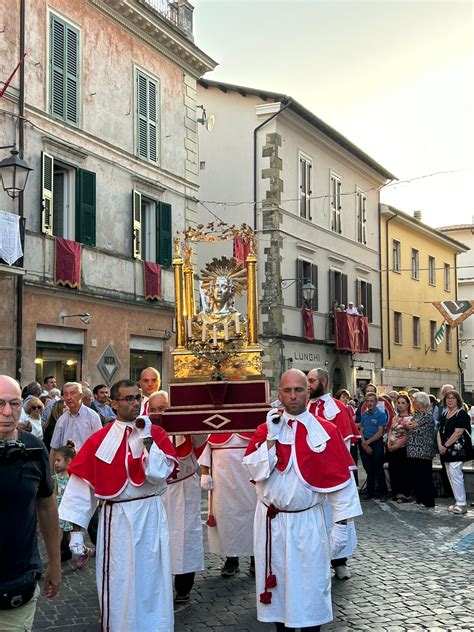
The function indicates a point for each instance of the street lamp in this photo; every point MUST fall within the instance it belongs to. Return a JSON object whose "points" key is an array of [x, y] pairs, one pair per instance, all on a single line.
{"points": [[86, 318], [14, 172], [308, 291]]}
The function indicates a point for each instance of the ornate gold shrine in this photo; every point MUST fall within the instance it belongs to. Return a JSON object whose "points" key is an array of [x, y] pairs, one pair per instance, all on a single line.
{"points": [[217, 343]]}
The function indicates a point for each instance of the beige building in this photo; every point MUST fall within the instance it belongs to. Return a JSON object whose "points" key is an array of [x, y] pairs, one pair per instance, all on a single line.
{"points": [[419, 266], [313, 197], [465, 287], [109, 102]]}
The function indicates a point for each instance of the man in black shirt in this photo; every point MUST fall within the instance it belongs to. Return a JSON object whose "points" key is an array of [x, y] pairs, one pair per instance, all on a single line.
{"points": [[26, 499]]}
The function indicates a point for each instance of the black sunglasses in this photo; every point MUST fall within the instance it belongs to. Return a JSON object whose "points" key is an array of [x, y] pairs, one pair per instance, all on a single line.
{"points": [[130, 399], [37, 408]]}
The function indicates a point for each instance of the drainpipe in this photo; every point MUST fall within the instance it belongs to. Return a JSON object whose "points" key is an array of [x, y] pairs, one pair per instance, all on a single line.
{"points": [[21, 147], [255, 132], [387, 272], [458, 348]]}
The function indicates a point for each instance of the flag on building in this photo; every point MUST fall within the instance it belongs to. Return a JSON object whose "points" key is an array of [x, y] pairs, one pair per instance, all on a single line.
{"points": [[440, 334], [454, 312]]}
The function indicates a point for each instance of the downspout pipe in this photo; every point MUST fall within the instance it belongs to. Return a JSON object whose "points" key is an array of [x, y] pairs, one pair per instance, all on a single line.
{"points": [[255, 136], [21, 148], [387, 284], [458, 348]]}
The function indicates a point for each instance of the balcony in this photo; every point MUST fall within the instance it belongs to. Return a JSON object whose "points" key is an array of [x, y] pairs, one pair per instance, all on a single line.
{"points": [[350, 333], [179, 13]]}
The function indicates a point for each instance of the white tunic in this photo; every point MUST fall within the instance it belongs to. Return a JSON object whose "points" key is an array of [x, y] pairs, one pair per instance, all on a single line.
{"points": [[182, 502], [141, 593], [300, 542], [233, 499]]}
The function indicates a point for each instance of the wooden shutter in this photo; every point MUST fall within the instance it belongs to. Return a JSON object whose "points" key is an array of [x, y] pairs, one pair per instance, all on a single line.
{"points": [[314, 281], [64, 71], [358, 294], [368, 305], [47, 169], [163, 237], [85, 207], [299, 283], [147, 116], [332, 289], [344, 289], [137, 224]]}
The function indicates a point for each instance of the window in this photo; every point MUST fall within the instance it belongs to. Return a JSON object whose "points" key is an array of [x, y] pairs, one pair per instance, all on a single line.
{"points": [[433, 345], [364, 297], [415, 264], [396, 256], [64, 71], [397, 328], [416, 332], [335, 203], [449, 339], [361, 202], [305, 174], [68, 201], [148, 98], [431, 271], [447, 277], [307, 272], [337, 288], [151, 230], [140, 359]]}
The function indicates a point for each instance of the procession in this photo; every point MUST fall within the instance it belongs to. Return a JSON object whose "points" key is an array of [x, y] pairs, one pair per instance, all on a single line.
{"points": [[237, 341]]}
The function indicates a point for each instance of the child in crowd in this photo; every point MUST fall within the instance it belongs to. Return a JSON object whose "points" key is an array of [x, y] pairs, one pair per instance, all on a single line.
{"points": [[64, 456]]}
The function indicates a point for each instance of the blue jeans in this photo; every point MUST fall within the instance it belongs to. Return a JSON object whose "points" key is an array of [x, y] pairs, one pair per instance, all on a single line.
{"points": [[373, 465]]}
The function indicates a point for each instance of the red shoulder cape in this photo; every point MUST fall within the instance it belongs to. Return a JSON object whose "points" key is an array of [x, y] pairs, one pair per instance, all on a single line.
{"points": [[325, 471], [218, 439], [108, 480]]}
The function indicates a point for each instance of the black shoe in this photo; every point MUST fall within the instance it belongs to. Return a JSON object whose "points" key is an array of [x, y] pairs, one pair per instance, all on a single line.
{"points": [[182, 598], [231, 567]]}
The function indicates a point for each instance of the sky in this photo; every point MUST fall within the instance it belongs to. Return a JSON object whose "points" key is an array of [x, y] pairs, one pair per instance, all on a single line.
{"points": [[395, 77]]}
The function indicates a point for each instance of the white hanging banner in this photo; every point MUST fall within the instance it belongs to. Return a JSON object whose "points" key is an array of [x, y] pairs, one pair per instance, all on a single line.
{"points": [[10, 242]]}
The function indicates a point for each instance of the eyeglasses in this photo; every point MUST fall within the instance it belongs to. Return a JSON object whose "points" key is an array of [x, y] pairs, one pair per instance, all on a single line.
{"points": [[37, 408], [15, 404], [130, 399]]}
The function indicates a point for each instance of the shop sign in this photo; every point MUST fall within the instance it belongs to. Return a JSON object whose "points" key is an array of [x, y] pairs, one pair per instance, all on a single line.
{"points": [[108, 364]]}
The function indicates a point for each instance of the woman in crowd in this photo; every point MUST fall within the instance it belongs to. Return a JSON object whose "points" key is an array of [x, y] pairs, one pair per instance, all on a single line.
{"points": [[454, 444], [397, 451], [48, 428], [420, 450], [344, 396], [33, 410]]}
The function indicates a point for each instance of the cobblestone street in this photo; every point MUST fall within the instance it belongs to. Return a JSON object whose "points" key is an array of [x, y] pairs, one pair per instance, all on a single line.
{"points": [[411, 571]]}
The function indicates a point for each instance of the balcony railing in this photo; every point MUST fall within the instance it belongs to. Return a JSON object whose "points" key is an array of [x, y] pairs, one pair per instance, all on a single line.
{"points": [[178, 13]]}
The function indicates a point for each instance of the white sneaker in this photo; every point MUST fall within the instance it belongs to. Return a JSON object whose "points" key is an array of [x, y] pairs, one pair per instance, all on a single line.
{"points": [[342, 572]]}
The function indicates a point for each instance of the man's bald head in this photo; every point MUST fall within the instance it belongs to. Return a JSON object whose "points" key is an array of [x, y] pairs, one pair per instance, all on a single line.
{"points": [[293, 391], [10, 395], [150, 381], [158, 402]]}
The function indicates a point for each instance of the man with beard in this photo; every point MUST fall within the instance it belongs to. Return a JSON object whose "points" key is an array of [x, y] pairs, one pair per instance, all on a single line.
{"points": [[322, 405]]}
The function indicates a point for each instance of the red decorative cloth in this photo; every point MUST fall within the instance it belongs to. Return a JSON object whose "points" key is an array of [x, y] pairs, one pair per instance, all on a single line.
{"points": [[241, 251], [67, 268], [218, 439], [325, 471], [352, 333], [152, 272], [342, 420], [108, 480], [308, 323]]}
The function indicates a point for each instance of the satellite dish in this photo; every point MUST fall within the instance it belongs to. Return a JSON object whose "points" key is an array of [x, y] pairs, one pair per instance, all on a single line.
{"points": [[210, 122]]}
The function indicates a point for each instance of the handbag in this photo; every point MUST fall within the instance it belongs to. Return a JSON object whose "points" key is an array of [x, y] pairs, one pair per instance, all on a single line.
{"points": [[462, 449], [18, 592]]}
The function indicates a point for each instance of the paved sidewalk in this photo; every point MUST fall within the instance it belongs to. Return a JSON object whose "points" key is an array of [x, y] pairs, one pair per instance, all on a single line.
{"points": [[411, 571]]}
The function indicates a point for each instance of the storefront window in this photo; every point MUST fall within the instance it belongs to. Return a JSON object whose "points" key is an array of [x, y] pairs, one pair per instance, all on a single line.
{"points": [[64, 362], [140, 360]]}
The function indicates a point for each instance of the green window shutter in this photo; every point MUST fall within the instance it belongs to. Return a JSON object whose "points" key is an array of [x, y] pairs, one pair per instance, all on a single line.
{"points": [[137, 224], [64, 71], [147, 117], [85, 207], [47, 169], [163, 234]]}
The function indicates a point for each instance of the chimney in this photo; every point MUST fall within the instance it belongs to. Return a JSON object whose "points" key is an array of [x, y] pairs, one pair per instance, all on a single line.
{"points": [[417, 215]]}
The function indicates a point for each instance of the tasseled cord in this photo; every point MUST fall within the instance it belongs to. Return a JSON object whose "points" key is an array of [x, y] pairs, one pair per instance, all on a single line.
{"points": [[270, 578]]}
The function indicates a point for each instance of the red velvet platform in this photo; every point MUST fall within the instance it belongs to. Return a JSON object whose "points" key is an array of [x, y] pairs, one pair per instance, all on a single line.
{"points": [[209, 407]]}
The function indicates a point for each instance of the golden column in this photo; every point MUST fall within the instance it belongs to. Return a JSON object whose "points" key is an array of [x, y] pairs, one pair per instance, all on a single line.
{"points": [[179, 298], [189, 290], [252, 308]]}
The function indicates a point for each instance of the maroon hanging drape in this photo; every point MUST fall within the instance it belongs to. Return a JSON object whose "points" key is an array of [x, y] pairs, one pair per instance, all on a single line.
{"points": [[67, 268], [241, 251], [152, 272], [352, 333], [308, 323]]}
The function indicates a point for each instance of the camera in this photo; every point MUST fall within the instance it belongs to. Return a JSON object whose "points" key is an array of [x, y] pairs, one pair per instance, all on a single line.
{"points": [[12, 451]]}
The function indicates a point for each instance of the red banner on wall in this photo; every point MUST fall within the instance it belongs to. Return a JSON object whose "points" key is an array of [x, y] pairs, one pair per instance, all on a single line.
{"points": [[352, 333], [241, 250], [67, 269], [308, 323], [152, 272]]}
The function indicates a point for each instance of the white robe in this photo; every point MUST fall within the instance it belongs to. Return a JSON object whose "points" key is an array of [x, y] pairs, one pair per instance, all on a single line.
{"points": [[141, 592], [233, 499], [183, 507], [300, 542]]}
